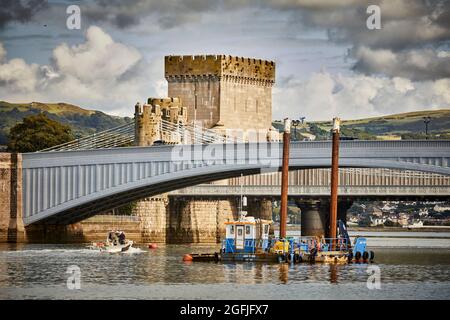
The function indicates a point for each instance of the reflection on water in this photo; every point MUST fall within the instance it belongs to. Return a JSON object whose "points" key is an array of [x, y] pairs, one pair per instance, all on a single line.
{"points": [[333, 273], [39, 271]]}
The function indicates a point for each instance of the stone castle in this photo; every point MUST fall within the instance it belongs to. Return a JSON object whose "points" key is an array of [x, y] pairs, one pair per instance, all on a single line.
{"points": [[217, 92], [223, 91]]}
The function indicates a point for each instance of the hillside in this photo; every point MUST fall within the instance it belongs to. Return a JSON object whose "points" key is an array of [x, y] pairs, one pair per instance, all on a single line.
{"points": [[405, 125], [83, 122]]}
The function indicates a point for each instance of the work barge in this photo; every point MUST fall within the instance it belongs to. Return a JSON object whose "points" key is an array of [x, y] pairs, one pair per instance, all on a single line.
{"points": [[248, 239]]}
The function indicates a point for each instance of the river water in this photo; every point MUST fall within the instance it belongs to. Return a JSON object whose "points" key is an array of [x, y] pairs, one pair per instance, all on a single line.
{"points": [[410, 266]]}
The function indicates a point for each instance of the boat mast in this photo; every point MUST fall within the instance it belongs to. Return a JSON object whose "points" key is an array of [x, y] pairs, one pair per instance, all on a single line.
{"points": [[243, 202], [284, 178], [334, 180]]}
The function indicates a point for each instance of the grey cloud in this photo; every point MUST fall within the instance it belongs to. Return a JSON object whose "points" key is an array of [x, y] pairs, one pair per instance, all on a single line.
{"points": [[411, 34], [405, 23], [423, 64], [408, 26], [167, 14], [19, 10]]}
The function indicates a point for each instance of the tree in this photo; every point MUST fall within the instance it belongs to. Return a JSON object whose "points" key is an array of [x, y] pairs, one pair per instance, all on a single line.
{"points": [[38, 132]]}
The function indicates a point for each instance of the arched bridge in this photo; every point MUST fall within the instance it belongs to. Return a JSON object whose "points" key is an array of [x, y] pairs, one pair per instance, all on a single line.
{"points": [[67, 186]]}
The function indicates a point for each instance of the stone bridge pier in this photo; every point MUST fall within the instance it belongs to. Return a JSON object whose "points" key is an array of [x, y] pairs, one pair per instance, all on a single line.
{"points": [[11, 223], [196, 219]]}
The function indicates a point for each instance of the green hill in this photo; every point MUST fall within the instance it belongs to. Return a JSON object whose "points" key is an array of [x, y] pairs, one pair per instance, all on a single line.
{"points": [[83, 122], [405, 125]]}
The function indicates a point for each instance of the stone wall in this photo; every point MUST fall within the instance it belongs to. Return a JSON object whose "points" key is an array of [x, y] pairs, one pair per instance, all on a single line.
{"points": [[11, 223], [153, 213], [89, 230], [197, 220], [223, 91]]}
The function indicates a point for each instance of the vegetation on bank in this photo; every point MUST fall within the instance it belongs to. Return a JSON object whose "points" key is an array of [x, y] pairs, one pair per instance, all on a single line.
{"points": [[82, 121], [407, 126], [38, 132]]}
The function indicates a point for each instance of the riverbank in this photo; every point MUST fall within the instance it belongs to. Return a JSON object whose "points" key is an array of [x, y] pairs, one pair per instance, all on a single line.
{"points": [[399, 229], [297, 227]]}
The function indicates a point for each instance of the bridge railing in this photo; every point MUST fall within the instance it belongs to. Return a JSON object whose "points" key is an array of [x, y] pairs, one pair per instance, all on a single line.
{"points": [[313, 190]]}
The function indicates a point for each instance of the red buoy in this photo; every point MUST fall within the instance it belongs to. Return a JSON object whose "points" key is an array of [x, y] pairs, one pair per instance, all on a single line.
{"points": [[152, 246], [187, 257]]}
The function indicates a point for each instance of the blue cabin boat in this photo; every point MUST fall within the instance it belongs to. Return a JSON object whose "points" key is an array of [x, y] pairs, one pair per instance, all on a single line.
{"points": [[247, 235], [247, 240]]}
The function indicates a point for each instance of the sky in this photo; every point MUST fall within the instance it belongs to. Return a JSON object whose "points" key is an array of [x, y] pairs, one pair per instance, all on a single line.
{"points": [[328, 62]]}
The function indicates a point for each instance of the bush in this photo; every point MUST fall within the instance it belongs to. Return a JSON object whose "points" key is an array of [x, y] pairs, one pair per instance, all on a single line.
{"points": [[38, 132]]}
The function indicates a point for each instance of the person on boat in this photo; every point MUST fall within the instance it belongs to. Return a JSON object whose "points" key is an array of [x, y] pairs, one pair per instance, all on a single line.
{"points": [[114, 235], [110, 237], [122, 237]]}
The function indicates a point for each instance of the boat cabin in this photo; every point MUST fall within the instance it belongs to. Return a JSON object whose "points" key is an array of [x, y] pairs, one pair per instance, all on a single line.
{"points": [[247, 235]]}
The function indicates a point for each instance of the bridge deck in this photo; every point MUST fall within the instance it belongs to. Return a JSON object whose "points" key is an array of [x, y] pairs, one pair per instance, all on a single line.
{"points": [[71, 185]]}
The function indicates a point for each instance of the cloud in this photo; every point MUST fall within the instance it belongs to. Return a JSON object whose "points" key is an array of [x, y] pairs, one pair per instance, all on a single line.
{"points": [[19, 10], [18, 77], [407, 44], [353, 96], [404, 22], [104, 74], [408, 27], [99, 73], [166, 14], [418, 64], [2, 52]]}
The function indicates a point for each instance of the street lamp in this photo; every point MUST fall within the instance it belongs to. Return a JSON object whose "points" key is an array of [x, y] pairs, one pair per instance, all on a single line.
{"points": [[295, 124], [426, 120]]}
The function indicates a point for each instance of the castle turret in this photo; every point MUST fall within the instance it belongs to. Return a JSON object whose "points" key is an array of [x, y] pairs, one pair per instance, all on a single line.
{"points": [[148, 119]]}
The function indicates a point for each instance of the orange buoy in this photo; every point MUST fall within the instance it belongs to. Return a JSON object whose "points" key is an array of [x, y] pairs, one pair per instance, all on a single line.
{"points": [[152, 246], [187, 257]]}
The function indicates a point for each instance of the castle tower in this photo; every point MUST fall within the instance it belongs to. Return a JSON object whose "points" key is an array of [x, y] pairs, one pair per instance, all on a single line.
{"points": [[148, 118], [223, 92]]}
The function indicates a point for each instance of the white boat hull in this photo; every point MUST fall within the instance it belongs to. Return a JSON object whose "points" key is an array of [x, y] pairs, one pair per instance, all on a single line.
{"points": [[100, 246]]}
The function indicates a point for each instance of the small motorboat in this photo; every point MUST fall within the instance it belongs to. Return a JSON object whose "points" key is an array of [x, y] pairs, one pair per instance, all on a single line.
{"points": [[115, 243]]}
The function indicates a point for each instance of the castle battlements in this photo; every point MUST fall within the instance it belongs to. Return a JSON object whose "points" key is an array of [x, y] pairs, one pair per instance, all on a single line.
{"points": [[148, 118], [219, 66]]}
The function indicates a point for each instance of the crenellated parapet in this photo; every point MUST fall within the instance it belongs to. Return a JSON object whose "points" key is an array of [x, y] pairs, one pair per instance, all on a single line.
{"points": [[220, 67], [148, 119]]}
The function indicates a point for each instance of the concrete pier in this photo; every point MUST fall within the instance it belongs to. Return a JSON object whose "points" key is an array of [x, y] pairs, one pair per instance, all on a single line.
{"points": [[315, 215], [313, 218]]}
